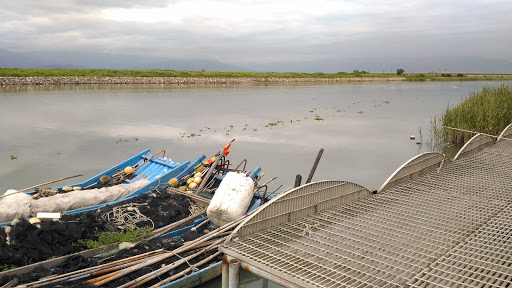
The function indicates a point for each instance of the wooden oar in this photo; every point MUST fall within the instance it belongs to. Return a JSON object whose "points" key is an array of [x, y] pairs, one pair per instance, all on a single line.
{"points": [[46, 183]]}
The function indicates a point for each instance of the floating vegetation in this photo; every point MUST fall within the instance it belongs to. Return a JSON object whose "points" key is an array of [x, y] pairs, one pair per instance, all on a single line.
{"points": [[360, 112], [488, 111], [13, 157], [386, 102], [318, 118], [121, 140]]}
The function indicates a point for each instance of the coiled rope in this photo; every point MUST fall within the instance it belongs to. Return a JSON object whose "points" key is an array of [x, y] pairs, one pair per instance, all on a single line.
{"points": [[127, 215]]}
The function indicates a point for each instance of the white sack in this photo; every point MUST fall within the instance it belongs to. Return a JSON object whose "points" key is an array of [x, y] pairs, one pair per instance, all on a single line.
{"points": [[14, 206], [84, 198], [231, 199]]}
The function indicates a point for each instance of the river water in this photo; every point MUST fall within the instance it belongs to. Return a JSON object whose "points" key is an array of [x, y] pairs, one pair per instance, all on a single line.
{"points": [[364, 128]]}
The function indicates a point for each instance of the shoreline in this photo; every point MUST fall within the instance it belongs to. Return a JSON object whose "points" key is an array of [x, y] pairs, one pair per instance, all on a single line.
{"points": [[72, 80]]}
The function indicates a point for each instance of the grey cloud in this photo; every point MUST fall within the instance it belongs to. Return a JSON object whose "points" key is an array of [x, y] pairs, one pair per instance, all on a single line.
{"points": [[374, 28]]}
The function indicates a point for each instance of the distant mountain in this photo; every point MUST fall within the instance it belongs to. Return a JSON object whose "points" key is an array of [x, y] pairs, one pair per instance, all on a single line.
{"points": [[189, 64], [61, 66], [91, 60], [88, 60]]}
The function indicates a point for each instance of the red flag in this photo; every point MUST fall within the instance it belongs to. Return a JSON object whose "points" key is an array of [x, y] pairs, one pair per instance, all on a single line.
{"points": [[225, 151]]}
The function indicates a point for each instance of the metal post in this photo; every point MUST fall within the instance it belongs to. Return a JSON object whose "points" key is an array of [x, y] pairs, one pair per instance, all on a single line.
{"points": [[234, 273], [312, 172], [225, 271], [298, 179]]}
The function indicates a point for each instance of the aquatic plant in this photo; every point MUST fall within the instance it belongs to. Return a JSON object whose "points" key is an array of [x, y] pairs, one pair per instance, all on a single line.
{"points": [[114, 236], [6, 267], [488, 111], [13, 157]]}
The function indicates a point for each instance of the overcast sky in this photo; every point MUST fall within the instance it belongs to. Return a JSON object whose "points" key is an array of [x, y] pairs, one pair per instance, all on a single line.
{"points": [[239, 32]]}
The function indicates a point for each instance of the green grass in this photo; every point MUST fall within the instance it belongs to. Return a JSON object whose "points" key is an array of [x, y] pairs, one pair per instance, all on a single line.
{"points": [[115, 236], [488, 111], [18, 72], [265, 76], [456, 77]]}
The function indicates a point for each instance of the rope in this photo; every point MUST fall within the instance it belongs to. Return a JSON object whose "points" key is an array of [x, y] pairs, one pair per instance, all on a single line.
{"points": [[195, 209], [192, 267], [308, 231], [463, 130], [127, 215], [152, 271]]}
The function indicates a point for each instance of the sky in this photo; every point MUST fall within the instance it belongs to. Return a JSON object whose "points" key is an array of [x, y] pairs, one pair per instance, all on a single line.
{"points": [[242, 32]]}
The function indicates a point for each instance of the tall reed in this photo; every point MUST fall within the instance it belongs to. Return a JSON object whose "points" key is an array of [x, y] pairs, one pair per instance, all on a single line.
{"points": [[488, 111]]}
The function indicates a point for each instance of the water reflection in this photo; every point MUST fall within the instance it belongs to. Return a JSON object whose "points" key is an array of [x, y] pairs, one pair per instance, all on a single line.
{"points": [[363, 127]]}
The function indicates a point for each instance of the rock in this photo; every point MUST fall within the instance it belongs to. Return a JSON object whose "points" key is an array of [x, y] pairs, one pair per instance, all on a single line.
{"points": [[125, 245]]}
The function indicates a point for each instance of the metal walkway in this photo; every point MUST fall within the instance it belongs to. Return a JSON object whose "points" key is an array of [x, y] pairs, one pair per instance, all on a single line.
{"points": [[448, 227]]}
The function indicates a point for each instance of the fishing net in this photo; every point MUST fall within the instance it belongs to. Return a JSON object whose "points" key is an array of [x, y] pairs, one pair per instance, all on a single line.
{"points": [[74, 263], [30, 244]]}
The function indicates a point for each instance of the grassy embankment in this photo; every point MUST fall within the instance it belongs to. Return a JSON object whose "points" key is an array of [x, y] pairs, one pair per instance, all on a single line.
{"points": [[17, 72], [488, 111]]}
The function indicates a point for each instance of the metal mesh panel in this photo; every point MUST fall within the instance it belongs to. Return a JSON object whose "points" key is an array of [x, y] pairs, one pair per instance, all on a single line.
{"points": [[413, 168], [506, 133], [443, 229], [475, 144], [304, 201]]}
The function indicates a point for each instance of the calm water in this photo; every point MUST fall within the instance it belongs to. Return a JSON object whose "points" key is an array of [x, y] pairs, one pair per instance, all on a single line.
{"points": [[363, 127], [364, 130]]}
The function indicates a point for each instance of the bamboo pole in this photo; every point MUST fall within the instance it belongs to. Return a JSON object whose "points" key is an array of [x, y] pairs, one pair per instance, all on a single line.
{"points": [[95, 268], [150, 276], [186, 246], [201, 224], [45, 183], [198, 264], [143, 279]]}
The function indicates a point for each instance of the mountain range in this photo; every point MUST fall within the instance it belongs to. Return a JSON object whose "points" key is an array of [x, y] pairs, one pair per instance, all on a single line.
{"points": [[93, 60]]}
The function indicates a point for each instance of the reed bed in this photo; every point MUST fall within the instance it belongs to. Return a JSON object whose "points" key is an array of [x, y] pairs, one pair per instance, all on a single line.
{"points": [[488, 111]]}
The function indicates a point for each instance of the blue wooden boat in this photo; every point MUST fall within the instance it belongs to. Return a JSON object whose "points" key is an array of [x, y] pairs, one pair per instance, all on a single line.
{"points": [[155, 169], [191, 280]]}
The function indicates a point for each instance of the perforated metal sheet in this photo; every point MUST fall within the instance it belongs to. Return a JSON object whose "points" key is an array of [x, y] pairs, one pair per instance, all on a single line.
{"points": [[450, 228]]}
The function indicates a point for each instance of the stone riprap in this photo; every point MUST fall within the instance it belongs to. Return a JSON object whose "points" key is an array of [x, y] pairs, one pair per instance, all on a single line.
{"points": [[22, 81]]}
